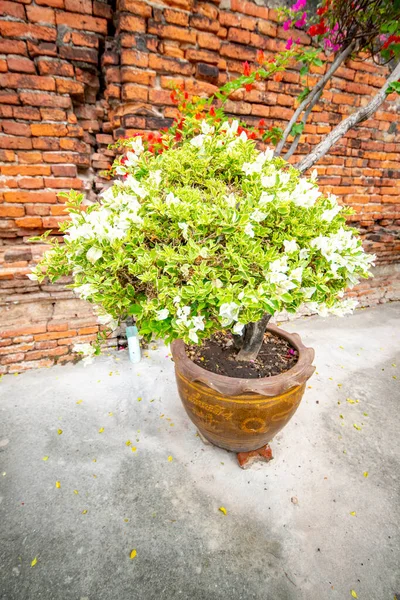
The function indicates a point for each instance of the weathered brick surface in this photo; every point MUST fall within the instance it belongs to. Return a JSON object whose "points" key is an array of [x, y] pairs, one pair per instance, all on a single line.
{"points": [[58, 113]]}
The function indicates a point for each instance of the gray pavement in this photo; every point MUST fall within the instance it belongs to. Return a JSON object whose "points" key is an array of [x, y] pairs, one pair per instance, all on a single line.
{"points": [[289, 532]]}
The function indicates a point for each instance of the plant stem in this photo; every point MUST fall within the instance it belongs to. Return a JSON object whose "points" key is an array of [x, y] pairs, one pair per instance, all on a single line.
{"points": [[253, 338], [340, 130]]}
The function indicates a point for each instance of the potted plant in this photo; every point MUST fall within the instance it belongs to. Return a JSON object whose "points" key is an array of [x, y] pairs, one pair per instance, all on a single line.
{"points": [[202, 243]]}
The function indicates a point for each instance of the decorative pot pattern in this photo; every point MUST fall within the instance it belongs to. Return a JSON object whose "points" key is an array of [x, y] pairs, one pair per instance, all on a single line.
{"points": [[241, 414]]}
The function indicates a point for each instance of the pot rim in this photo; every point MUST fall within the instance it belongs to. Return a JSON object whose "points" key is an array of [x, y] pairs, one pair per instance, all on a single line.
{"points": [[266, 386]]}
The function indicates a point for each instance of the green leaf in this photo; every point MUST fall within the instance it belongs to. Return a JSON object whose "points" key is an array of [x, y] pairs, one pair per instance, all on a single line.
{"points": [[297, 129]]}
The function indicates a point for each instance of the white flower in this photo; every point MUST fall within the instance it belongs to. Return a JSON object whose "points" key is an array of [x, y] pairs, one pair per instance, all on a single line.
{"points": [[308, 292], [121, 170], [257, 165], [314, 175], [106, 319], [249, 230], [93, 254], [258, 216], [305, 194], [162, 314], [136, 144], [176, 300], [171, 199], [344, 307], [231, 129], [268, 181], [297, 274], [85, 290], [203, 253], [217, 283], [290, 246], [286, 285], [198, 323], [206, 128], [304, 254], [193, 336], [131, 158], [230, 200], [155, 177], [238, 328], [330, 213], [182, 315], [276, 277], [87, 350], [284, 178], [229, 311], [108, 194], [131, 182], [32, 276], [198, 141], [279, 265], [265, 198], [184, 228]]}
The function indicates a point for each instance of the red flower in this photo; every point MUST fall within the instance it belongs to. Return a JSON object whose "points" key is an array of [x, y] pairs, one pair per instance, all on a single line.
{"points": [[212, 111], [392, 39], [124, 159], [178, 137], [278, 77], [246, 69], [261, 123], [151, 149], [198, 116], [248, 87], [319, 29], [252, 135], [260, 56], [321, 11]]}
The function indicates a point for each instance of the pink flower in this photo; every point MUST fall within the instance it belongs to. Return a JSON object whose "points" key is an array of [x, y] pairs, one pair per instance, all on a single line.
{"points": [[300, 4], [287, 24], [289, 44], [301, 22]]}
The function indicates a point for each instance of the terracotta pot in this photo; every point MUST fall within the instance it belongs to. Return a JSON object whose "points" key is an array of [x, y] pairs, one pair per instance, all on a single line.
{"points": [[241, 414]]}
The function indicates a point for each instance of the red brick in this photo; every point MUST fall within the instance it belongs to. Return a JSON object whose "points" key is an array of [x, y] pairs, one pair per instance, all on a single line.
{"points": [[248, 8], [55, 335], [171, 32], [31, 183], [267, 28], [202, 56], [41, 49], [101, 9], [239, 35], [7, 156], [29, 197], [177, 17], [31, 364], [30, 170], [128, 74], [8, 97], [204, 23], [85, 39], [11, 211], [67, 86], [16, 347], [20, 30], [131, 91], [88, 55], [26, 330], [11, 9], [20, 64], [29, 157], [29, 222], [79, 6], [12, 47], [35, 82], [48, 129], [53, 3], [14, 128], [12, 358], [93, 24], [53, 114], [206, 40], [48, 66], [38, 14], [238, 52], [131, 23], [63, 182], [171, 65], [15, 143]]}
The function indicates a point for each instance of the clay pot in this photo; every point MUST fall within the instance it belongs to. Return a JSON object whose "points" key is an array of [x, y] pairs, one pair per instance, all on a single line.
{"points": [[241, 414]]}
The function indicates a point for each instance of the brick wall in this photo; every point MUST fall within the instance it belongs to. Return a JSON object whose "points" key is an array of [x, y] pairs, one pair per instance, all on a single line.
{"points": [[77, 74]]}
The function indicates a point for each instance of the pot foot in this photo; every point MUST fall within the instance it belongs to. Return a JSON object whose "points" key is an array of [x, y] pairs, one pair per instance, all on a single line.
{"points": [[247, 459], [203, 439]]}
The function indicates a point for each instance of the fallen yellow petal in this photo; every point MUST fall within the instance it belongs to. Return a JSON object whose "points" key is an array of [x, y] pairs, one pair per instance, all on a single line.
{"points": [[45, 458], [365, 473], [101, 429], [133, 554], [353, 593], [34, 562], [126, 520], [170, 459], [94, 460], [76, 492], [128, 443], [110, 414], [84, 512], [353, 513], [356, 427], [139, 399], [79, 402], [133, 448], [59, 431], [58, 484], [350, 401], [223, 510]]}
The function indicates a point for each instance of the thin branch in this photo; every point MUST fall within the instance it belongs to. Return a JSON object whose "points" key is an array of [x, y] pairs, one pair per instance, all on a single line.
{"points": [[350, 122], [296, 140], [316, 89]]}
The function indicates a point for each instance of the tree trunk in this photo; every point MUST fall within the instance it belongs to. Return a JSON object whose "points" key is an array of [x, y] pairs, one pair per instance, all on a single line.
{"points": [[253, 338]]}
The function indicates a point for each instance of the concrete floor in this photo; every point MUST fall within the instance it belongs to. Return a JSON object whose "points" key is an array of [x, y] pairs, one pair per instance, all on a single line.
{"points": [[267, 547]]}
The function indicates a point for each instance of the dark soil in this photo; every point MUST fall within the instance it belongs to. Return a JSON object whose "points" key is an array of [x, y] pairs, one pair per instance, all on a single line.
{"points": [[218, 355]]}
